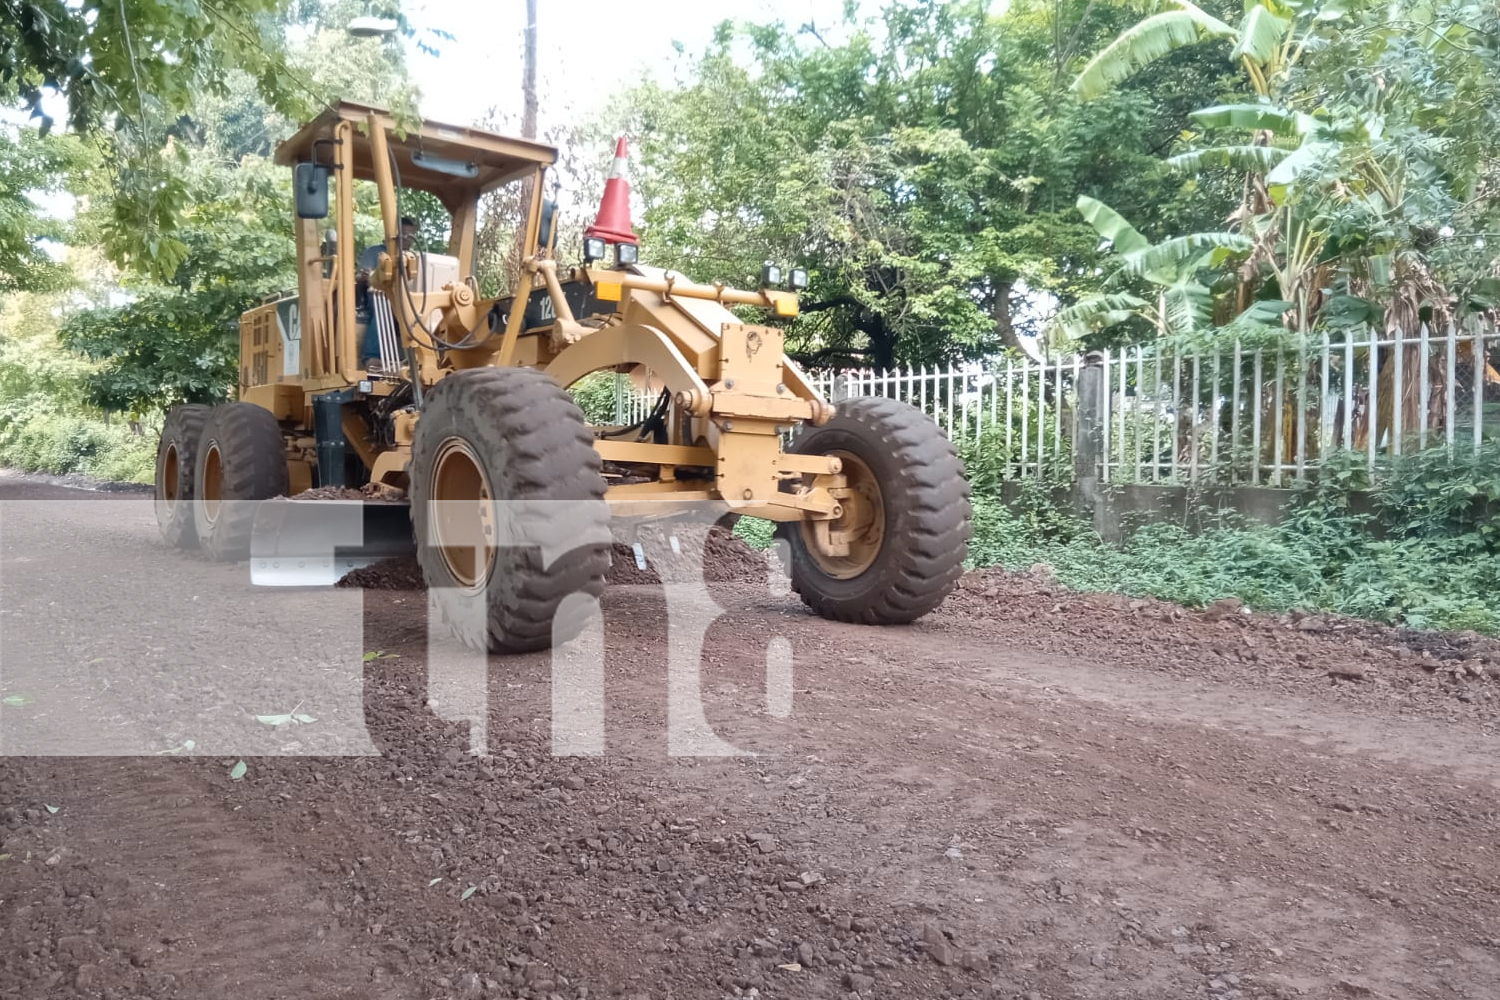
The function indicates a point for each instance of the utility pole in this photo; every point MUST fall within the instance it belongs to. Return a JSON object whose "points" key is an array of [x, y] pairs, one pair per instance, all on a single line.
{"points": [[528, 131], [528, 74]]}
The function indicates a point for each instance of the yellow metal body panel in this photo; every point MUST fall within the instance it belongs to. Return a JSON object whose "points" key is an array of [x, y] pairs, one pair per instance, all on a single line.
{"points": [[285, 400], [260, 347], [732, 389]]}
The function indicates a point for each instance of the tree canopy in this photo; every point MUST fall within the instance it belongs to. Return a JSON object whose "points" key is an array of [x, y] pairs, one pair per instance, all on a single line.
{"points": [[958, 178], [1363, 138]]}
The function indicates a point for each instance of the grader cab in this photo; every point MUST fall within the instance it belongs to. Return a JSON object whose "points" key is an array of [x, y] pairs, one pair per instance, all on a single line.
{"points": [[439, 405]]}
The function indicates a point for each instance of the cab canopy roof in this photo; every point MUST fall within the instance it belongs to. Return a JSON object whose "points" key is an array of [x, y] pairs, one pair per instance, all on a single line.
{"points": [[438, 158]]}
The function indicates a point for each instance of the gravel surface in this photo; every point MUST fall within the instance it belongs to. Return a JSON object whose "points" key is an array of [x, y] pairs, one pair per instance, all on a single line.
{"points": [[1029, 793]]}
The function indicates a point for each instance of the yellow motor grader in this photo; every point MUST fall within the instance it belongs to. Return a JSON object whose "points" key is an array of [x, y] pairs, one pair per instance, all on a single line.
{"points": [[465, 405]]}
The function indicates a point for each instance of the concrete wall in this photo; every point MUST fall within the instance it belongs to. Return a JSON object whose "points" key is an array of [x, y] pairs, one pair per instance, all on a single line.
{"points": [[1117, 511], [1121, 510]]}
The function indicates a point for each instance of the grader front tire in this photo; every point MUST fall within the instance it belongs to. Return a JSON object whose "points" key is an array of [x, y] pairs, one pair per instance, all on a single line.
{"points": [[908, 516], [241, 458], [176, 460], [496, 450]]}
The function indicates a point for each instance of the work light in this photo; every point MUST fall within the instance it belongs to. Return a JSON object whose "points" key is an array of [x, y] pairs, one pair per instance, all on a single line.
{"points": [[626, 253], [593, 249]]}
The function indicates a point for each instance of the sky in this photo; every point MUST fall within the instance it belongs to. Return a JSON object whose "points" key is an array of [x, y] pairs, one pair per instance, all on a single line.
{"points": [[586, 49]]}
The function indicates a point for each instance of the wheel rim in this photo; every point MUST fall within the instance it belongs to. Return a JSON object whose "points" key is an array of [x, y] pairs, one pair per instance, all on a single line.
{"points": [[213, 483], [862, 520], [462, 512], [171, 469]]}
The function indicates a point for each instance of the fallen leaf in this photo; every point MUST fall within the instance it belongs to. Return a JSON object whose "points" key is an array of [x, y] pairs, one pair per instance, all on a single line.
{"points": [[52, 809], [237, 772], [468, 892]]}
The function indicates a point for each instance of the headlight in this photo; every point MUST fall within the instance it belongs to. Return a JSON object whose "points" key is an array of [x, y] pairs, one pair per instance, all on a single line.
{"points": [[797, 279], [770, 275], [593, 249], [626, 254]]}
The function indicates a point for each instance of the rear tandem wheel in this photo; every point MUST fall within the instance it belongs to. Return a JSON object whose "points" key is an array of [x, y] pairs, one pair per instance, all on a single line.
{"points": [[241, 459], [176, 461]]}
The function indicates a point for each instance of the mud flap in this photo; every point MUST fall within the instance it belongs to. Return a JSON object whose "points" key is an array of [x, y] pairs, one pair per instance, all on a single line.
{"points": [[315, 543]]}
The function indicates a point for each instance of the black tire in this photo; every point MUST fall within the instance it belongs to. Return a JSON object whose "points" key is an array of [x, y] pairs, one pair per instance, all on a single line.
{"points": [[241, 457], [176, 461], [925, 501], [534, 448]]}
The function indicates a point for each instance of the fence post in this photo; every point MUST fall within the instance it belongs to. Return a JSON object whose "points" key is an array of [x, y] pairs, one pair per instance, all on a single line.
{"points": [[1088, 448]]}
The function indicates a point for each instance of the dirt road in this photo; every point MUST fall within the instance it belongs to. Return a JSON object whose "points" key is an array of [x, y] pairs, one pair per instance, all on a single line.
{"points": [[1028, 794]]}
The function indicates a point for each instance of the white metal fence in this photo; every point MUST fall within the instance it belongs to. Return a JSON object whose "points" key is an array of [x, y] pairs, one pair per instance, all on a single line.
{"points": [[1239, 414], [1019, 412], [1265, 415]]}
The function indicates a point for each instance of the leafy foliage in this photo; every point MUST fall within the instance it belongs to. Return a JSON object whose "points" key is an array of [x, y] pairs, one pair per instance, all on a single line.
{"points": [[1426, 555], [31, 163], [1364, 139], [1145, 43], [924, 171], [138, 60], [179, 342], [46, 424]]}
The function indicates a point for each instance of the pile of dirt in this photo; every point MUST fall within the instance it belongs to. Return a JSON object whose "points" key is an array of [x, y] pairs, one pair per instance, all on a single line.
{"points": [[370, 493], [331, 493], [723, 556], [396, 573]]}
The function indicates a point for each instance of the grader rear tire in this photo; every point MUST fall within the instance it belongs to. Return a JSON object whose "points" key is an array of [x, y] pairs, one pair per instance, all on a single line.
{"points": [[491, 436], [241, 458], [176, 460], [909, 513]]}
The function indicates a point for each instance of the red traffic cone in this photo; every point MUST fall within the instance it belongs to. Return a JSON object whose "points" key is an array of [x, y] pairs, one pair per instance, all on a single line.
{"points": [[613, 222]]}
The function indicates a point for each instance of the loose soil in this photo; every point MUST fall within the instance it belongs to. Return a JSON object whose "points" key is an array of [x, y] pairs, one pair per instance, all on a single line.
{"points": [[1029, 793]]}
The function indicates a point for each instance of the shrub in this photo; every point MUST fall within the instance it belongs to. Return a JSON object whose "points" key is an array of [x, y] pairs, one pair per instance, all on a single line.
{"points": [[64, 444], [1426, 557]]}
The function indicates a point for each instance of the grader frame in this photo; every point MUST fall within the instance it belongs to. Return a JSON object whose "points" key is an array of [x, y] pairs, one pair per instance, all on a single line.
{"points": [[731, 383], [872, 501]]}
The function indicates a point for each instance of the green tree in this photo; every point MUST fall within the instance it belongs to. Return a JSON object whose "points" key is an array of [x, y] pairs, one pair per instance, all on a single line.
{"points": [[925, 173], [230, 238], [179, 341], [1182, 305], [32, 164], [1366, 144]]}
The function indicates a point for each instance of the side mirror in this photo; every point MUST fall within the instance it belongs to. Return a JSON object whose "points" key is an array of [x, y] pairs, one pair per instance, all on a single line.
{"points": [[311, 183], [544, 234]]}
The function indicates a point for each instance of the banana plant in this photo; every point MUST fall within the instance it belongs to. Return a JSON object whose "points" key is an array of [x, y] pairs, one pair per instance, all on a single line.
{"points": [[1269, 39], [1179, 304]]}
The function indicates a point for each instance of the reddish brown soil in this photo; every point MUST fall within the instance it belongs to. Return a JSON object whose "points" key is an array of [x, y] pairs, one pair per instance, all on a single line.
{"points": [[1030, 793]]}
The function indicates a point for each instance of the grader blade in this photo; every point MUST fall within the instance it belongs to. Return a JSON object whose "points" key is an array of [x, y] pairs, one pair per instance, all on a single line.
{"points": [[315, 543]]}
